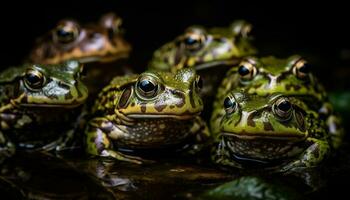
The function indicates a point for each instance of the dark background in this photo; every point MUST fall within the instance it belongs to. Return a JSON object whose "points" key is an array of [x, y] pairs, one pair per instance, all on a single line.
{"points": [[318, 31]]}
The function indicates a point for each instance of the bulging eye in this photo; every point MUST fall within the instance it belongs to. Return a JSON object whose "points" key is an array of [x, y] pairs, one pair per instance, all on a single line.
{"points": [[147, 87], [247, 71], [194, 40], [198, 84], [283, 108], [301, 69], [34, 79], [66, 32], [230, 105]]}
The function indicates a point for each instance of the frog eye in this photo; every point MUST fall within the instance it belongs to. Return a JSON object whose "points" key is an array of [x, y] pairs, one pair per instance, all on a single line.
{"points": [[34, 79], [194, 40], [301, 69], [283, 108], [230, 105], [247, 71], [198, 84], [66, 32], [147, 87]]}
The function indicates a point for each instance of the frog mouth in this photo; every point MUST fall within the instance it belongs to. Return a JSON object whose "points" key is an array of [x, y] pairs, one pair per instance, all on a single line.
{"points": [[265, 136], [66, 106], [161, 116], [218, 63]]}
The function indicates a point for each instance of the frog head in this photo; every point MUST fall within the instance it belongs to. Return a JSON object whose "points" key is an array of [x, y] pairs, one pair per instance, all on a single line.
{"points": [[99, 42], [205, 48], [45, 85], [162, 95], [263, 128], [267, 75]]}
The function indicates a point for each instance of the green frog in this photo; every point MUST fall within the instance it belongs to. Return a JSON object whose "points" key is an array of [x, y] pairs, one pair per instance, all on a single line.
{"points": [[100, 46], [151, 111], [35, 103], [211, 51], [268, 75], [277, 131]]}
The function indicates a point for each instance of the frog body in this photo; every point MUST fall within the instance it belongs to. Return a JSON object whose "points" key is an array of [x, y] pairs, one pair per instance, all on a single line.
{"points": [[35, 101], [276, 131], [152, 110], [100, 46], [211, 51], [269, 75]]}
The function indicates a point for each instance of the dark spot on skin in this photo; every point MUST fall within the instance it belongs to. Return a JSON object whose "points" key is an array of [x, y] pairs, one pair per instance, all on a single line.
{"points": [[257, 86], [143, 107], [200, 103], [63, 85], [92, 139], [219, 116], [250, 120], [68, 95], [124, 98], [268, 126], [297, 87], [182, 102], [290, 86], [132, 104], [159, 106], [171, 106]]}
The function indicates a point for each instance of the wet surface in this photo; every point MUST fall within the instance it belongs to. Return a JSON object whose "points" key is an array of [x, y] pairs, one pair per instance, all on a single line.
{"points": [[40, 176]]}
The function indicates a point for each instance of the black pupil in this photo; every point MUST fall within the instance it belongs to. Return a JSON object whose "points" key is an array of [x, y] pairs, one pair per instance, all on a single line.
{"points": [[146, 86], [64, 34], [305, 68], [190, 41], [33, 79], [285, 106], [228, 103], [242, 70]]}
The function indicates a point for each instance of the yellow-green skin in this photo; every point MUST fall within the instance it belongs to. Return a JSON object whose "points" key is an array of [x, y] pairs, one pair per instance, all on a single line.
{"points": [[33, 118], [219, 49], [254, 132], [220, 46], [125, 119], [273, 75]]}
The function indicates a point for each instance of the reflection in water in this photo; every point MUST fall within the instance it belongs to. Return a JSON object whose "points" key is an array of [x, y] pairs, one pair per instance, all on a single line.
{"points": [[39, 176]]}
